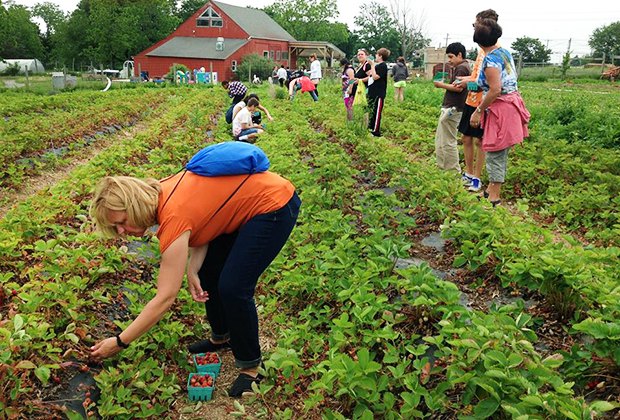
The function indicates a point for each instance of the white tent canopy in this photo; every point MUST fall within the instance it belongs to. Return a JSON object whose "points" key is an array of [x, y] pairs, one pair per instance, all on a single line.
{"points": [[34, 65]]}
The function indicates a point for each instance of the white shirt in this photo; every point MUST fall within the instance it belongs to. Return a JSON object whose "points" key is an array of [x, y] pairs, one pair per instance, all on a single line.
{"points": [[282, 73], [315, 70], [242, 117]]}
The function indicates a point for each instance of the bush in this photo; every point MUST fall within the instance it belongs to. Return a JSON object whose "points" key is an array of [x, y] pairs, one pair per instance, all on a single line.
{"points": [[11, 70], [175, 67], [254, 64], [281, 93]]}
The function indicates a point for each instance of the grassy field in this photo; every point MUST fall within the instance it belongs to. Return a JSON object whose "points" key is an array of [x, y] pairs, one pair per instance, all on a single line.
{"points": [[399, 294]]}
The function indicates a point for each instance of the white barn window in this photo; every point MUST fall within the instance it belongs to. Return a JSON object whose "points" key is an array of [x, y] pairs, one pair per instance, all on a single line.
{"points": [[210, 18], [233, 65]]}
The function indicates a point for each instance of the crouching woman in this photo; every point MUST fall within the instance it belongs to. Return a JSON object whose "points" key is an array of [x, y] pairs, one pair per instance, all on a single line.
{"points": [[230, 227]]}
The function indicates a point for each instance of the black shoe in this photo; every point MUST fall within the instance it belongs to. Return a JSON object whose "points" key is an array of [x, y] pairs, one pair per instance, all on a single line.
{"points": [[243, 384], [206, 346]]}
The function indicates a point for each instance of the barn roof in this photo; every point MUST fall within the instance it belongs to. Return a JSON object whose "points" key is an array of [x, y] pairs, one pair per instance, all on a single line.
{"points": [[194, 47], [255, 22]]}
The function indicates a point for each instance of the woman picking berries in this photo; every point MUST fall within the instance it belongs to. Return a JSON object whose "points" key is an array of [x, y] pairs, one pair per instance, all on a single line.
{"points": [[230, 227]]}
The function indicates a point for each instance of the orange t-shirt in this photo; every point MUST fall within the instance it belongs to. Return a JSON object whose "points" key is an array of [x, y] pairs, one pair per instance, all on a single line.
{"points": [[196, 199], [475, 98]]}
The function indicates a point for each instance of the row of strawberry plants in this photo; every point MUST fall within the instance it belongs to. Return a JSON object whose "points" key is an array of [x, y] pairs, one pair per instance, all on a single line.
{"points": [[68, 283], [580, 281], [27, 136], [19, 103], [574, 278], [577, 280], [376, 320]]}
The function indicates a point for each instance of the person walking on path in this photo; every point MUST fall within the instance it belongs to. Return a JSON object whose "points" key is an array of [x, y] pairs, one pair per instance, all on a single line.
{"points": [[230, 227]]}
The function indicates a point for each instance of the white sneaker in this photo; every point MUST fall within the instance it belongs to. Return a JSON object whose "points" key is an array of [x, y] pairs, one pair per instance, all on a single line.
{"points": [[466, 178], [475, 185]]}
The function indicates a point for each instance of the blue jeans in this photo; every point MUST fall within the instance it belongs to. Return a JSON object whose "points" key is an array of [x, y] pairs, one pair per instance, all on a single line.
{"points": [[230, 271]]}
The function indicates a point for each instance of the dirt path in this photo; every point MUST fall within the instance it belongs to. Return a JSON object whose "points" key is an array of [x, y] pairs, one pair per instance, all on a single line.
{"points": [[52, 176]]}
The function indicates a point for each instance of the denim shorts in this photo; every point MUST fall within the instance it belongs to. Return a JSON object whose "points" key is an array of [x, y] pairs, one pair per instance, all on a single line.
{"points": [[497, 164]]}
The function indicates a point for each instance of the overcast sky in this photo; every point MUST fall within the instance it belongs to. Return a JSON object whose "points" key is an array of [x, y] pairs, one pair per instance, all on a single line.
{"points": [[553, 22]]}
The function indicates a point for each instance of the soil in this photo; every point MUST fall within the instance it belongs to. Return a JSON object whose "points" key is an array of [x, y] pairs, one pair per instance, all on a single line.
{"points": [[50, 177]]}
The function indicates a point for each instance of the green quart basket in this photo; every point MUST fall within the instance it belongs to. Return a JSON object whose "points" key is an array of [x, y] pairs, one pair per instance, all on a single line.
{"points": [[472, 86], [199, 393], [440, 76], [212, 368]]}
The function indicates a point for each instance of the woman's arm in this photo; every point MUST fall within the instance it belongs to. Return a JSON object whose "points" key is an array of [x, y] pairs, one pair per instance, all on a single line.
{"points": [[196, 258], [169, 281], [351, 74], [494, 80], [373, 72]]}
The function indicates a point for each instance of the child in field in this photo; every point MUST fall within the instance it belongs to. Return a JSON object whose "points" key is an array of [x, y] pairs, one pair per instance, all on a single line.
{"points": [[256, 117], [242, 126], [446, 149]]}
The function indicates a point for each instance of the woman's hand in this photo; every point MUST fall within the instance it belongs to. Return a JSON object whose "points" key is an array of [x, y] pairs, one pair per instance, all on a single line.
{"points": [[474, 121], [195, 289], [104, 349]]}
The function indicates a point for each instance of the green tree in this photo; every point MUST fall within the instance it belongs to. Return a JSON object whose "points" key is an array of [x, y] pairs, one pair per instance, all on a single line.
{"points": [[188, 8], [410, 30], [112, 31], [53, 18], [531, 50], [377, 28], [309, 20], [606, 40], [19, 37], [254, 64]]}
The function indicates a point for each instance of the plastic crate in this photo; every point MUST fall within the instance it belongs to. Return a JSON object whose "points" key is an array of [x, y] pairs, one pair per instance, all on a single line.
{"points": [[213, 368], [199, 393]]}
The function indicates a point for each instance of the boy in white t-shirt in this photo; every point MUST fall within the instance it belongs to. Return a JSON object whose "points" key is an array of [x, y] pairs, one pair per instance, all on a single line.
{"points": [[242, 126]]}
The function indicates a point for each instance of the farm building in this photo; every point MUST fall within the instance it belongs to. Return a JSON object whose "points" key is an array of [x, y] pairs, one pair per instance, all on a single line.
{"points": [[33, 65], [219, 35]]}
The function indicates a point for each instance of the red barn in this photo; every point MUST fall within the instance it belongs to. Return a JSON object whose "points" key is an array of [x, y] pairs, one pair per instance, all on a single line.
{"points": [[195, 42]]}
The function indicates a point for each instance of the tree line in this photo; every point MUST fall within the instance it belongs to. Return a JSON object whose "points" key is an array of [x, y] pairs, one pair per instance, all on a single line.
{"points": [[112, 31]]}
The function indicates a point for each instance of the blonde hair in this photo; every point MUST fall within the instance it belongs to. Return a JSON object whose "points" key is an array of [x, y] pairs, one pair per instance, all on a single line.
{"points": [[138, 197]]}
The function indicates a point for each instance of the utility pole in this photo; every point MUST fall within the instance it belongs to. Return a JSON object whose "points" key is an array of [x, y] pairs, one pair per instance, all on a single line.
{"points": [[443, 69]]}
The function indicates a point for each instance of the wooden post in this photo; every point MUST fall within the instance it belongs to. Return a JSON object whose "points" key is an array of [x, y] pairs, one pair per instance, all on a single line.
{"points": [[603, 64], [27, 80], [211, 72]]}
